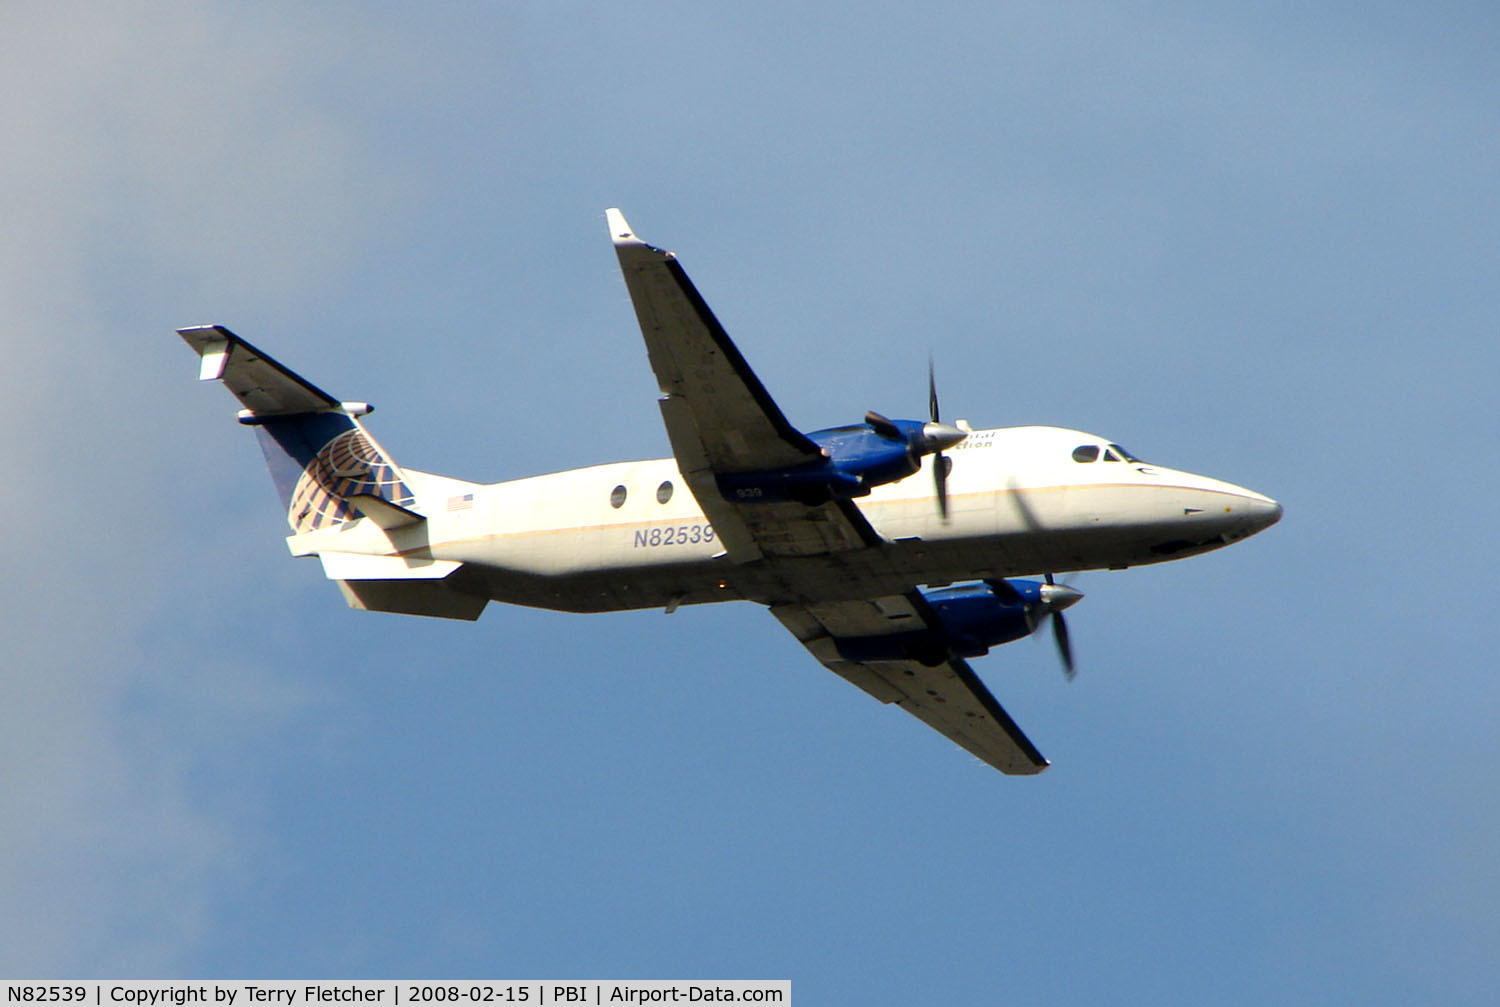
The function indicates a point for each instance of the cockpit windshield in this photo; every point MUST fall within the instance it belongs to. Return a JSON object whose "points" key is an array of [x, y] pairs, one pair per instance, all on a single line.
{"points": [[1086, 453]]}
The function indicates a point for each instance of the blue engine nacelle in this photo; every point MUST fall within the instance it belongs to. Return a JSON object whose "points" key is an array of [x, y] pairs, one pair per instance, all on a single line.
{"points": [[973, 618], [855, 460]]}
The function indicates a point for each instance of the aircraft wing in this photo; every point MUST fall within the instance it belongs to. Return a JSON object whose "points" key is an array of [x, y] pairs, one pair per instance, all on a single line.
{"points": [[721, 421], [949, 698], [719, 417]]}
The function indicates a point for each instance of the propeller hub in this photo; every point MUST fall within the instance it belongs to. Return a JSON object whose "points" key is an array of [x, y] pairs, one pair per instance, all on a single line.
{"points": [[939, 436], [1059, 596]]}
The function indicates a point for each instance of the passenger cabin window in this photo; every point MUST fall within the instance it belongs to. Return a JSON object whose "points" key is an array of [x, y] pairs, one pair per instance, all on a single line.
{"points": [[1086, 453], [664, 492], [617, 497]]}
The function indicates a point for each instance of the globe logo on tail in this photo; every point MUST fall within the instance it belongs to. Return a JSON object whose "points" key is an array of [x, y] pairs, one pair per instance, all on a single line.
{"points": [[349, 465]]}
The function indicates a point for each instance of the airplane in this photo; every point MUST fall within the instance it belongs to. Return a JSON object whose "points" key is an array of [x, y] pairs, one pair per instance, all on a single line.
{"points": [[894, 550]]}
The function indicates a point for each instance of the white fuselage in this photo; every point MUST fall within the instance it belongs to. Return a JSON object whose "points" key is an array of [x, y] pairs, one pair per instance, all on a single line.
{"points": [[1019, 503]]}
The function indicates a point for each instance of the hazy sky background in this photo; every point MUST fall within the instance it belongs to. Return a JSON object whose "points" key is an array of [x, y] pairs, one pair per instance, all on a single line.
{"points": [[1254, 243]]}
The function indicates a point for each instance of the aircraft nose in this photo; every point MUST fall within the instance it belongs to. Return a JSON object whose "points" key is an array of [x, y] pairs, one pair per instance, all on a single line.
{"points": [[1243, 511], [1253, 513], [1264, 512]]}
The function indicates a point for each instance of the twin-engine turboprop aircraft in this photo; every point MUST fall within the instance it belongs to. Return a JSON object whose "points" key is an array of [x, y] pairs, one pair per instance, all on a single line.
{"points": [[889, 548]]}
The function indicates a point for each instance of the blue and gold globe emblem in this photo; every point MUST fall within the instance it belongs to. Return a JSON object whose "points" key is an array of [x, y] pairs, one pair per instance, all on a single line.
{"points": [[348, 465]]}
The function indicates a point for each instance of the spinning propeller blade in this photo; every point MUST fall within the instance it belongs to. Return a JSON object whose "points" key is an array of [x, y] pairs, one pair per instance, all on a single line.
{"points": [[883, 426], [932, 399], [1058, 597], [1064, 648], [934, 436], [939, 463]]}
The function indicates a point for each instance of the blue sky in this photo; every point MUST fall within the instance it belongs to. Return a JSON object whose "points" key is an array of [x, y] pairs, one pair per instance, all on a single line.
{"points": [[1258, 244]]}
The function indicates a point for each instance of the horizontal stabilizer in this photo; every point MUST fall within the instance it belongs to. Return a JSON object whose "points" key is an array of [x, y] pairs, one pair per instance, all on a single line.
{"points": [[359, 566], [263, 386], [432, 598], [401, 584]]}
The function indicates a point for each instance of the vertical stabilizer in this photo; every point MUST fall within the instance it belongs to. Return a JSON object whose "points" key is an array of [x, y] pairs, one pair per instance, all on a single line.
{"points": [[323, 461]]}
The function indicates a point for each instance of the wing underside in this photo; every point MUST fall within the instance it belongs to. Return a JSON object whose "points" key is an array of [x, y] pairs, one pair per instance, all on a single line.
{"points": [[948, 696]]}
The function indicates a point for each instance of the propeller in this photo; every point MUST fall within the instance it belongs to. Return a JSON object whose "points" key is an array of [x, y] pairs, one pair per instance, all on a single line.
{"points": [[883, 426], [1055, 597], [1058, 597], [933, 438], [941, 435]]}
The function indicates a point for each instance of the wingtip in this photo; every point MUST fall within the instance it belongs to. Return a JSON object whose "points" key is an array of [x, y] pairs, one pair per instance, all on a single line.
{"points": [[619, 228], [628, 245]]}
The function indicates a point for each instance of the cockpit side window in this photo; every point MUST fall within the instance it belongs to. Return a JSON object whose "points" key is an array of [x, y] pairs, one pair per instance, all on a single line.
{"points": [[1086, 453], [1123, 453], [1110, 456]]}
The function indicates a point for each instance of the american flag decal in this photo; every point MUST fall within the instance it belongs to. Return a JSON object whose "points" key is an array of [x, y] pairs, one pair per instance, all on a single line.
{"points": [[461, 503]]}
